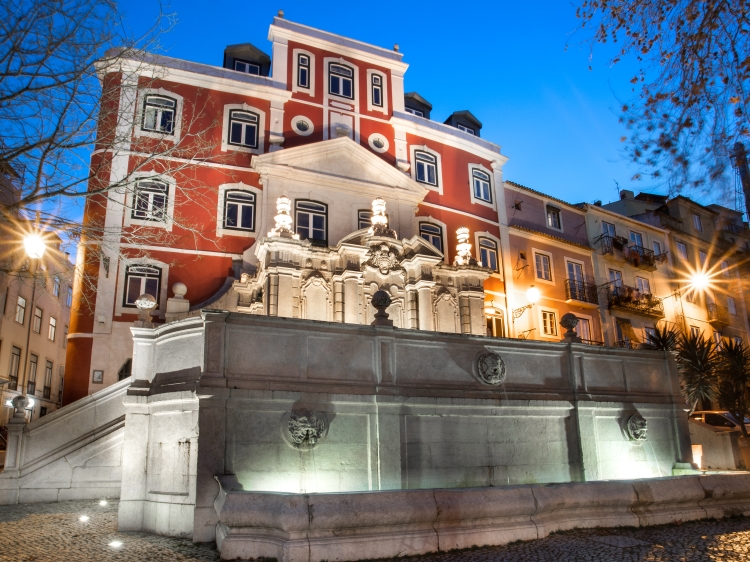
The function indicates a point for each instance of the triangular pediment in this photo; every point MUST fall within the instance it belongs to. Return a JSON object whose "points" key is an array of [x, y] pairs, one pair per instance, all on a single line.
{"points": [[341, 161]]}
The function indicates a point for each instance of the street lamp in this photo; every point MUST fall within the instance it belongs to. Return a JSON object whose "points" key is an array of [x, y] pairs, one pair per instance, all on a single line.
{"points": [[34, 245], [532, 295]]}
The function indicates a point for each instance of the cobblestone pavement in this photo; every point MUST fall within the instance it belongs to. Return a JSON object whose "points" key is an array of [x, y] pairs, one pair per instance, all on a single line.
{"points": [[54, 532]]}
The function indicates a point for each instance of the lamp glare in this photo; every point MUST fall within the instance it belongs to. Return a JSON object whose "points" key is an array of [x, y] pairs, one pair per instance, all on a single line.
{"points": [[115, 544], [699, 281], [84, 518], [103, 502], [34, 246], [533, 294]]}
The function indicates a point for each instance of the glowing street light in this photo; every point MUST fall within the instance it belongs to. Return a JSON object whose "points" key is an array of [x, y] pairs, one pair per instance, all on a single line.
{"points": [[34, 245], [533, 294], [700, 281]]}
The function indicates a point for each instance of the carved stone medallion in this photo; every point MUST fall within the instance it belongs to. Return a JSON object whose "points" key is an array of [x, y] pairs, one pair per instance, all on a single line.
{"points": [[490, 368], [637, 427], [382, 258], [306, 427]]}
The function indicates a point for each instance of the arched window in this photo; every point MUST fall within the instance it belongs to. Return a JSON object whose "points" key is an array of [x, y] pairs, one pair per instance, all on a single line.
{"points": [[432, 233], [426, 167], [311, 220], [150, 201], [139, 280], [488, 253], [239, 210], [243, 129], [481, 183], [341, 81], [159, 114]]}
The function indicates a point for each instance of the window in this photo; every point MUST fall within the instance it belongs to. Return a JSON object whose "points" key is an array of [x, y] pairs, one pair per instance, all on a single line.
{"points": [[549, 323], [52, 328], [725, 268], [682, 250], [495, 325], [648, 331], [150, 201], [126, 370], [488, 253], [33, 365], [20, 310], [303, 71], [543, 269], [159, 114], [47, 391], [140, 280], [732, 306], [695, 331], [615, 278], [608, 229], [247, 67], [697, 223], [65, 338], [239, 210], [363, 219], [243, 128], [69, 298], [702, 256], [414, 112], [465, 129], [15, 361], [376, 90], [42, 411], [717, 339], [690, 295], [657, 248], [432, 233], [36, 324], [636, 238], [583, 329], [553, 218], [737, 340], [311, 218], [481, 181], [643, 285], [56, 286], [341, 83], [426, 167]]}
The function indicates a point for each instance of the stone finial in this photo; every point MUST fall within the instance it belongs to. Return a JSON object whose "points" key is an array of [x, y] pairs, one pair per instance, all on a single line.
{"points": [[380, 220], [145, 303], [20, 403], [569, 321], [463, 248], [281, 14], [381, 300], [179, 290], [283, 218]]}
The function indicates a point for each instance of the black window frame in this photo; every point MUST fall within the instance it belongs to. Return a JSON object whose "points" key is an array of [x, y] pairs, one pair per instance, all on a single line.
{"points": [[13, 367], [312, 212], [303, 66], [439, 234], [249, 64], [415, 112], [148, 102], [151, 187], [491, 246], [376, 87], [487, 178], [428, 159], [234, 117], [228, 201], [340, 76], [47, 388], [34, 320], [128, 275], [361, 219], [31, 383]]}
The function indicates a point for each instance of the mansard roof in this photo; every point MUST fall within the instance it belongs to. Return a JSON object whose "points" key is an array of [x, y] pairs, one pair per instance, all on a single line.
{"points": [[340, 164]]}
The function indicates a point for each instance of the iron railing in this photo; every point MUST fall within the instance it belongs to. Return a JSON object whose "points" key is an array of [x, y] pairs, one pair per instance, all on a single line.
{"points": [[631, 299], [580, 291], [46, 392], [593, 342], [735, 228], [717, 314], [641, 257], [13, 384], [626, 344]]}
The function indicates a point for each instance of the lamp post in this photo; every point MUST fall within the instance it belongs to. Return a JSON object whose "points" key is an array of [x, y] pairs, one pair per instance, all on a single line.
{"points": [[532, 295]]}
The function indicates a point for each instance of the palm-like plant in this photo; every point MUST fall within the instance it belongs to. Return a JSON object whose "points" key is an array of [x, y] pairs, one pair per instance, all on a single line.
{"points": [[696, 362], [733, 374], [663, 339]]}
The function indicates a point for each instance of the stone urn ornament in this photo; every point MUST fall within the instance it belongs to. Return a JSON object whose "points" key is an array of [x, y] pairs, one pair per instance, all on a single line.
{"points": [[381, 300], [569, 321], [145, 303]]}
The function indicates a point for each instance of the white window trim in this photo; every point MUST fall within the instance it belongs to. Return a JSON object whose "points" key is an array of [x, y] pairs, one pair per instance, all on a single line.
{"points": [[550, 203], [384, 90], [591, 322], [355, 81], [442, 225], [225, 146], [413, 168], [371, 140], [677, 243], [310, 126], [493, 194], [579, 262], [643, 238], [736, 312], [534, 252], [541, 309], [130, 201], [647, 279], [176, 134], [123, 265], [496, 240], [295, 72], [220, 230], [700, 222]]}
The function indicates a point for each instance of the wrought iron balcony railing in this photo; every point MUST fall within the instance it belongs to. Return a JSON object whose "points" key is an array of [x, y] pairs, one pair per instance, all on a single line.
{"points": [[641, 257], [626, 344], [717, 315], [593, 342], [633, 300], [580, 291], [636, 255]]}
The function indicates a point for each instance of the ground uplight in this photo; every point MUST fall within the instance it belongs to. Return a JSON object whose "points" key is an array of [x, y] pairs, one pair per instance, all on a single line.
{"points": [[103, 502], [84, 518], [115, 544]]}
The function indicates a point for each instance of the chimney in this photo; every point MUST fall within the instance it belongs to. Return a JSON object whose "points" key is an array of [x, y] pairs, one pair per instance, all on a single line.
{"points": [[598, 203], [626, 194]]}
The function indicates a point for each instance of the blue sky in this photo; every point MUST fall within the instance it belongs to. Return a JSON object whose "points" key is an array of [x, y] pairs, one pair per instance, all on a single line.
{"points": [[506, 62]]}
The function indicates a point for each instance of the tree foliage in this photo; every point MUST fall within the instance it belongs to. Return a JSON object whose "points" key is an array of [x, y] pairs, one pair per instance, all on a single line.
{"points": [[733, 376], [663, 338], [696, 362], [693, 82]]}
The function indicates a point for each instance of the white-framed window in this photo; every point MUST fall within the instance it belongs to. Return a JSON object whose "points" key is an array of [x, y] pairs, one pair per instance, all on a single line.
{"points": [[311, 220], [304, 72], [636, 238], [47, 379], [554, 220], [488, 253], [732, 306], [141, 279], [432, 233], [20, 309], [481, 184], [643, 285], [239, 210], [426, 168], [466, 129], [583, 328], [543, 264], [341, 80], [695, 331], [303, 126], [150, 201], [725, 268], [247, 67], [15, 361], [159, 114], [608, 229], [681, 250], [56, 286], [52, 332], [364, 217], [615, 278], [33, 367], [549, 323], [690, 295], [657, 247], [377, 96], [376, 90], [378, 143], [702, 257], [36, 323], [69, 297], [697, 224], [414, 111], [243, 129]]}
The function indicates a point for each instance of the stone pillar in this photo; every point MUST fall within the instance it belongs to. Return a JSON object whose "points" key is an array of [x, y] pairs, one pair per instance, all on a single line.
{"points": [[351, 297], [133, 490], [471, 305], [465, 313], [424, 291], [338, 301], [16, 425], [412, 308], [273, 294]]}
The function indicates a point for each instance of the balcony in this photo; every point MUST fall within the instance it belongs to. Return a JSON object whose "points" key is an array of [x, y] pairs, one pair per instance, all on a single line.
{"points": [[581, 292], [626, 344], [631, 299], [593, 342], [718, 316], [637, 256]]}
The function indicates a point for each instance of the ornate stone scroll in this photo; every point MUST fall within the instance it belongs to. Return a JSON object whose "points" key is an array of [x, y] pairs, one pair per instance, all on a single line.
{"points": [[637, 427], [490, 368], [306, 427], [383, 258]]}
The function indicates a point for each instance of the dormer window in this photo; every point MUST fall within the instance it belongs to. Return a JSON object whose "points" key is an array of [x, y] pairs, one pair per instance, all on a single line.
{"points": [[341, 81], [247, 67], [303, 71], [158, 114], [553, 218], [414, 112], [466, 129], [377, 90]]}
